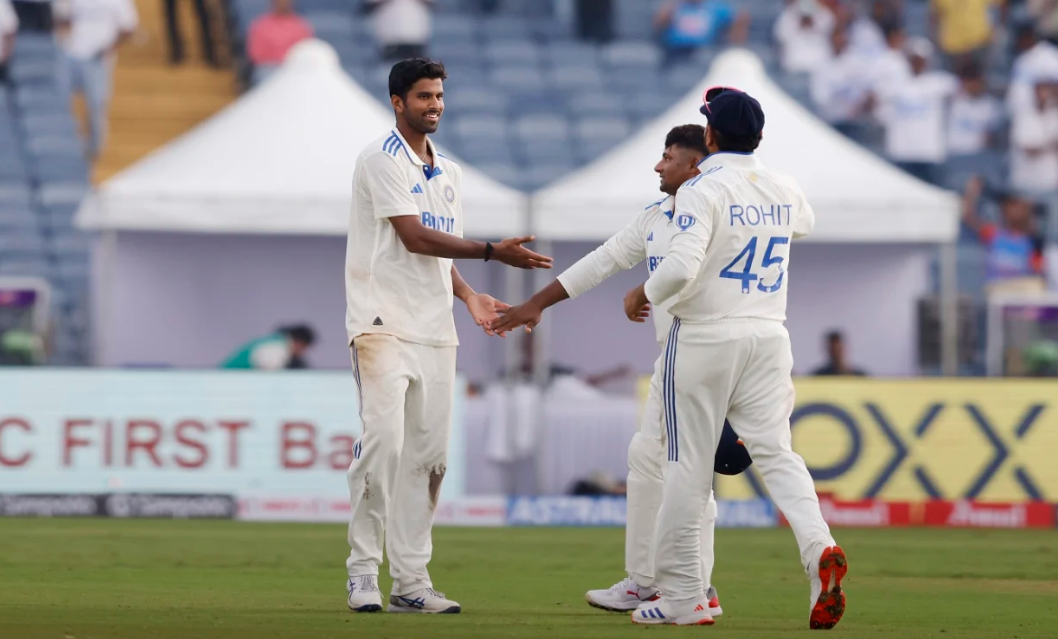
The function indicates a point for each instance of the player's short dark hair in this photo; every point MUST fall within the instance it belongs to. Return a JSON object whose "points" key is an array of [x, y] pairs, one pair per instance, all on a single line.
{"points": [[970, 69], [299, 333], [404, 74], [688, 136], [734, 144], [835, 335]]}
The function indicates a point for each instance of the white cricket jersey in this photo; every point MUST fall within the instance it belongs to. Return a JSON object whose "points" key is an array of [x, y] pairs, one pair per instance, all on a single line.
{"points": [[730, 254], [645, 238], [388, 289]]}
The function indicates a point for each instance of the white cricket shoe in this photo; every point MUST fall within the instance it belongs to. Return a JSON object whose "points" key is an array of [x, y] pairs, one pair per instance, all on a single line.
{"points": [[714, 602], [828, 600], [692, 613], [623, 596], [424, 600], [364, 595]]}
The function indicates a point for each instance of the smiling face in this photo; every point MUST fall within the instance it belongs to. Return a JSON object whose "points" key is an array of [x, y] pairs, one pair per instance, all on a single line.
{"points": [[422, 106], [677, 165]]}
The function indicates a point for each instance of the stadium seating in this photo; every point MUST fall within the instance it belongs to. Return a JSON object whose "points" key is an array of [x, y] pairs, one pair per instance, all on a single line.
{"points": [[43, 178]]}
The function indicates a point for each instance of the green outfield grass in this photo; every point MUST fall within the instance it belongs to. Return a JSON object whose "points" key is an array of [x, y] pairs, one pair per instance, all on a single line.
{"points": [[112, 579]]}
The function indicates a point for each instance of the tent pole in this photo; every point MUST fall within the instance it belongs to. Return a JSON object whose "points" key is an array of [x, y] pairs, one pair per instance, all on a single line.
{"points": [[102, 307], [949, 310]]}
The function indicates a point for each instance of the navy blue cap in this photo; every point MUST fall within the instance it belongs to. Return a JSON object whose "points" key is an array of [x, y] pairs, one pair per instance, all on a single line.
{"points": [[731, 455], [734, 113]]}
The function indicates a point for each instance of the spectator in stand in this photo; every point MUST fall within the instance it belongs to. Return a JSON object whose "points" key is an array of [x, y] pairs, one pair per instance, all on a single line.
{"points": [[865, 30], [8, 29], [1015, 258], [803, 32], [402, 27], [283, 349], [1034, 150], [890, 66], [89, 34], [913, 112], [964, 27], [975, 117], [34, 15], [272, 35], [840, 86], [1045, 15], [688, 25], [1036, 59], [176, 41], [837, 363]]}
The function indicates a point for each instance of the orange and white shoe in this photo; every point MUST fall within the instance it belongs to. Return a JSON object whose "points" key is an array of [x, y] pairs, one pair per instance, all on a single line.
{"points": [[828, 601], [694, 613]]}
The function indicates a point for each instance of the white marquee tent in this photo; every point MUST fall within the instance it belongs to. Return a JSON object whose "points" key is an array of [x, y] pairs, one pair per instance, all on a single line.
{"points": [[856, 195], [279, 160]]}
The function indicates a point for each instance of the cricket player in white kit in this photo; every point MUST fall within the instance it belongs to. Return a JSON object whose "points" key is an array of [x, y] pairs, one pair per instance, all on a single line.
{"points": [[646, 238], [405, 229], [728, 353]]}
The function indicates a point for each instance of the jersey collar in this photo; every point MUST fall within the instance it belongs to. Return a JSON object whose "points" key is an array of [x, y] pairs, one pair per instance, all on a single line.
{"points": [[667, 206], [730, 158], [426, 170]]}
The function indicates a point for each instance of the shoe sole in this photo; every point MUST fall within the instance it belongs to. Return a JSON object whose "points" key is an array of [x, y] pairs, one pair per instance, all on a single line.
{"points": [[451, 610], [633, 605], [686, 620], [367, 608], [830, 606]]}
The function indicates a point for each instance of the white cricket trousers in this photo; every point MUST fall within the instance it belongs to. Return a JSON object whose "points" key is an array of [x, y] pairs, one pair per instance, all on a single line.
{"points": [[741, 369], [399, 461], [646, 459]]}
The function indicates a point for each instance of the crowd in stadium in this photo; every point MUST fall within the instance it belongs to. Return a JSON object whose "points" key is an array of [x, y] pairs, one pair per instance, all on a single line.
{"points": [[959, 93]]}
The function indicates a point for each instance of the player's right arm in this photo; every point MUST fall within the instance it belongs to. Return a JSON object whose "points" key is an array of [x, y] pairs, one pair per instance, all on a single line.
{"points": [[391, 195], [621, 252]]}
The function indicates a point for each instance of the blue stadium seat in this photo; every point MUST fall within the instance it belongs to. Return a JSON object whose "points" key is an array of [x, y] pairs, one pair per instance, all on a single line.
{"points": [[635, 18], [633, 80], [331, 23], [541, 175], [679, 78], [458, 27], [54, 145], [41, 100], [31, 46], [33, 72], [576, 77], [477, 99], [573, 52], [27, 266], [625, 55], [502, 28], [470, 129], [518, 79], [512, 52], [602, 128], [62, 194], [591, 103], [542, 127], [14, 195], [455, 52], [21, 244], [647, 105]]}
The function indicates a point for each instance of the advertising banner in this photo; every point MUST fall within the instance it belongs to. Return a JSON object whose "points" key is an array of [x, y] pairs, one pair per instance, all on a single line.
{"points": [[244, 434], [980, 440]]}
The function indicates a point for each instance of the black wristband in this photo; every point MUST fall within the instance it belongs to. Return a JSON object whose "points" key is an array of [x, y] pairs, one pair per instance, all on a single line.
{"points": [[488, 251]]}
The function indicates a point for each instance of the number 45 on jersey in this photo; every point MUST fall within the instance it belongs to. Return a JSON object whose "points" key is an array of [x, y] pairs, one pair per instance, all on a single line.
{"points": [[746, 274]]}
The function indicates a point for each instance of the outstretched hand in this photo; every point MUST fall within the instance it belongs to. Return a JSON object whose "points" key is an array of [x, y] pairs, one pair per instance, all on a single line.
{"points": [[486, 309], [637, 306], [527, 314], [512, 253]]}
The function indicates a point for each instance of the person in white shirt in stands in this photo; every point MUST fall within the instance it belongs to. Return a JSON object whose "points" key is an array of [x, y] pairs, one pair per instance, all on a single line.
{"points": [[405, 228], [402, 27], [90, 32], [865, 31], [975, 116], [1034, 151], [803, 33], [1037, 59], [646, 238], [8, 29], [728, 354], [890, 65], [840, 86], [914, 114]]}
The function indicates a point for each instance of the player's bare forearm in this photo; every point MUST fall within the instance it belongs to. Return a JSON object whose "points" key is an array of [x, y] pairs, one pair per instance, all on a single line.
{"points": [[460, 288], [550, 295], [423, 240]]}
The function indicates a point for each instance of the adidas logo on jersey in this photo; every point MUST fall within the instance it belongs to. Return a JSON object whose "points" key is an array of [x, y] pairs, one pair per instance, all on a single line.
{"points": [[417, 189], [377, 322], [650, 238]]}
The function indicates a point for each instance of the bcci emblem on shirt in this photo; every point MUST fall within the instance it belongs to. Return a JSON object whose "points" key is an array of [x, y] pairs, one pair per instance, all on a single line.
{"points": [[450, 193]]}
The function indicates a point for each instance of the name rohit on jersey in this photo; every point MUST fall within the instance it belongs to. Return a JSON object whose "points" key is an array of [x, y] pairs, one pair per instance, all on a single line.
{"points": [[759, 215]]}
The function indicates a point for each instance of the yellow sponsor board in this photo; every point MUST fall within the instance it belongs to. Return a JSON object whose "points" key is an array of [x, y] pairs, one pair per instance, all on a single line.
{"points": [[990, 440]]}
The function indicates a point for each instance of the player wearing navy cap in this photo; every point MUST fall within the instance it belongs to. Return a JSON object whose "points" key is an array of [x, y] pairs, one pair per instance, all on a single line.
{"points": [[728, 354]]}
